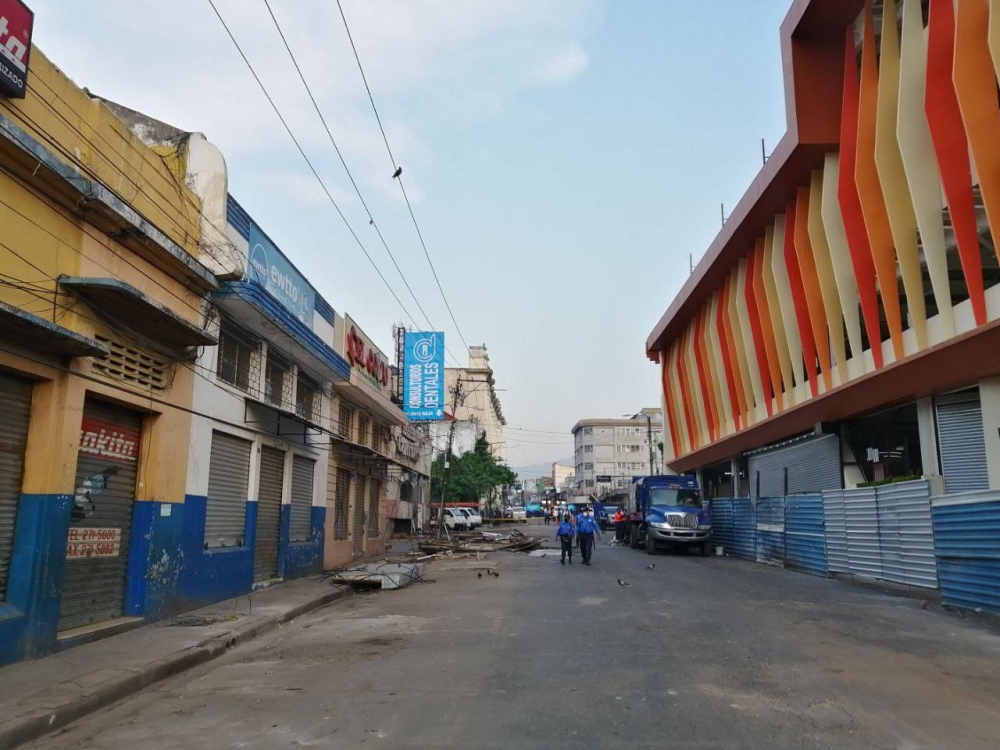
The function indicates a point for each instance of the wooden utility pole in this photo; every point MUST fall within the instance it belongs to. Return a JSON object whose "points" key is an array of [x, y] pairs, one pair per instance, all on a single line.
{"points": [[457, 394]]}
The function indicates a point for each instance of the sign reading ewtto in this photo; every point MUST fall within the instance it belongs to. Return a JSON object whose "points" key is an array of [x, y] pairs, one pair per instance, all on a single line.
{"points": [[423, 376], [271, 269]]}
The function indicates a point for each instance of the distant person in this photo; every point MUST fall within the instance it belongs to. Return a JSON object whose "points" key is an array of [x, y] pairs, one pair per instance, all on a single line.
{"points": [[548, 517], [565, 535], [586, 529], [619, 519]]}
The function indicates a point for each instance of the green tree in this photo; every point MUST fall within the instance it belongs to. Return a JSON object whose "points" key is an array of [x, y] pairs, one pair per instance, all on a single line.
{"points": [[473, 477]]}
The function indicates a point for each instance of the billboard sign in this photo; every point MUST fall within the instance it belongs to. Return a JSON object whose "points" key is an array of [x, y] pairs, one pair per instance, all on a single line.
{"points": [[423, 375], [271, 269], [16, 22]]}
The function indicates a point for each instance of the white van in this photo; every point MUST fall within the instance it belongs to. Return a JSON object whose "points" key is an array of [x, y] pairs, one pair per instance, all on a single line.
{"points": [[472, 514]]}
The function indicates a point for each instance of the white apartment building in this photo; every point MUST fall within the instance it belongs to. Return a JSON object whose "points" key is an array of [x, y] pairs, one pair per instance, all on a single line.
{"points": [[562, 475], [609, 452], [478, 402]]}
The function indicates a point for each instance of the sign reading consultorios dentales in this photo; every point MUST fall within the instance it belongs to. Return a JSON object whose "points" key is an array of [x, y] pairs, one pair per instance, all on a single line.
{"points": [[423, 376], [271, 269], [16, 21]]}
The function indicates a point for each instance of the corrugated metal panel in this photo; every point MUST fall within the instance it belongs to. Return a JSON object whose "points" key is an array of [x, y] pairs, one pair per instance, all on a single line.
{"points": [[360, 482], [15, 409], [861, 516], [771, 530], [93, 588], [962, 442], [812, 465], [967, 543], [835, 522], [723, 528], [269, 487], [805, 537], [374, 507], [228, 477], [303, 471], [745, 527], [910, 534]]}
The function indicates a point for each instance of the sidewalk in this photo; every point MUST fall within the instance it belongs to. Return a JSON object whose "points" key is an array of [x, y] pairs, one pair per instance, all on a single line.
{"points": [[40, 695]]}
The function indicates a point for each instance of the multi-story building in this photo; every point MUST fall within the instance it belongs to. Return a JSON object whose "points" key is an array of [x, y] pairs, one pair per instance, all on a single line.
{"points": [[609, 452], [843, 326], [478, 401], [563, 476]]}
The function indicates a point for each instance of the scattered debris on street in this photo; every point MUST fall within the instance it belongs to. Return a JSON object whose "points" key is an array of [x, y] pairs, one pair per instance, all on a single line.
{"points": [[467, 542]]}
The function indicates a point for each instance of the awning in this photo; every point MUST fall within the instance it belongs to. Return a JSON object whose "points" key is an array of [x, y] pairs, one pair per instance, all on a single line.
{"points": [[28, 331], [359, 392], [278, 417], [252, 306], [135, 309]]}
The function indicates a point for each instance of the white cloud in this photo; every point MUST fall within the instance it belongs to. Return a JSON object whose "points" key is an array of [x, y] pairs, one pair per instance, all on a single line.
{"points": [[564, 65]]}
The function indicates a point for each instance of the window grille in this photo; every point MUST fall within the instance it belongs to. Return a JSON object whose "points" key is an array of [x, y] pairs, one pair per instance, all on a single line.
{"points": [[239, 357], [134, 366]]}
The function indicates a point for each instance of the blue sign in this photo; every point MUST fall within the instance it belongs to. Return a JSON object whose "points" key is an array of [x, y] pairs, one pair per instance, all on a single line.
{"points": [[423, 376], [271, 269]]}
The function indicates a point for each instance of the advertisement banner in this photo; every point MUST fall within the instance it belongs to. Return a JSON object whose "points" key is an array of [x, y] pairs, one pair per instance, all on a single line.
{"points": [[423, 376], [271, 269], [16, 21]]}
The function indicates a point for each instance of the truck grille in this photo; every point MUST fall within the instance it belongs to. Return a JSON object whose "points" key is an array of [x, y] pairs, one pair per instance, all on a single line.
{"points": [[679, 521]]}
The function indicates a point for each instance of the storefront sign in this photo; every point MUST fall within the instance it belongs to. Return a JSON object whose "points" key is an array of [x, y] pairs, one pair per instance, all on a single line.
{"points": [[271, 269], [93, 542], [365, 357], [16, 22], [110, 441], [408, 445], [423, 375]]}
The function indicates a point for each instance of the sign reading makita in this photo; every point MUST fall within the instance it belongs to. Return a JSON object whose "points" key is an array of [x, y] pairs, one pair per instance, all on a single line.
{"points": [[16, 22]]}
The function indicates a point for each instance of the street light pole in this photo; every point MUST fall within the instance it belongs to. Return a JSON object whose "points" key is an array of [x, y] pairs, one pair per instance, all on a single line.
{"points": [[649, 437]]}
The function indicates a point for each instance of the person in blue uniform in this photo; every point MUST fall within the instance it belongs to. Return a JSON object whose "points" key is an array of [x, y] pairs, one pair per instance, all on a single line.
{"points": [[587, 529], [565, 534]]}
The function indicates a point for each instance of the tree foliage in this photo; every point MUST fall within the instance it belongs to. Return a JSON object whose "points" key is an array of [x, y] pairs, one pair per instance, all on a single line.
{"points": [[472, 477]]}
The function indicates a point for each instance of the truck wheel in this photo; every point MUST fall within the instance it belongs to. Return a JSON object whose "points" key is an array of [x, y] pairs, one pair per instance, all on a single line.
{"points": [[650, 545], [633, 539]]}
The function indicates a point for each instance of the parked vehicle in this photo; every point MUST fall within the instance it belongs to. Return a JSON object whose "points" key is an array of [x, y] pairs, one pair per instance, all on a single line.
{"points": [[454, 519], [605, 516], [667, 511], [475, 520]]}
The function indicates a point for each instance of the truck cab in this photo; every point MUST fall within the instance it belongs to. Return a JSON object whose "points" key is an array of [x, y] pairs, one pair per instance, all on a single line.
{"points": [[668, 511]]}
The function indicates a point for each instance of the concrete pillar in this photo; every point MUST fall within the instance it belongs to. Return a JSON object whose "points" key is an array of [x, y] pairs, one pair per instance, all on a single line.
{"points": [[927, 428], [989, 397]]}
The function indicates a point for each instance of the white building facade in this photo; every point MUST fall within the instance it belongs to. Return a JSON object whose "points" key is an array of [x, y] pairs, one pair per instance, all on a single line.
{"points": [[478, 401], [609, 452]]}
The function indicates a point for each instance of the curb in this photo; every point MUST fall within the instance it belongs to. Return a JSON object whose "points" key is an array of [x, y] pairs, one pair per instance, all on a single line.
{"points": [[33, 726]]}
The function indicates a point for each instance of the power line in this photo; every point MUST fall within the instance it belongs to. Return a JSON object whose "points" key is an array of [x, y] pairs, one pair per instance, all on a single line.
{"points": [[305, 157], [343, 162], [398, 175]]}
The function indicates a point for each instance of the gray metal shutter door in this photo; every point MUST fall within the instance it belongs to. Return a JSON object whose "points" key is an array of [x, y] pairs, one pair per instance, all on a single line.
{"points": [[100, 528], [272, 478], [15, 408], [228, 479], [359, 513], [303, 471], [962, 442], [374, 500], [342, 502], [813, 465], [863, 548], [835, 522]]}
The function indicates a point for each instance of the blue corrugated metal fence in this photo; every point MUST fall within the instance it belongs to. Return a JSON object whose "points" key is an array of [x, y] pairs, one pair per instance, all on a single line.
{"points": [[805, 534], [967, 546]]}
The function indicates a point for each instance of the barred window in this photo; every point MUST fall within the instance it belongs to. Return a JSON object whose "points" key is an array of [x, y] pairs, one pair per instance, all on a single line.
{"points": [[346, 420], [278, 380], [341, 504], [239, 357], [364, 429], [307, 398], [374, 495]]}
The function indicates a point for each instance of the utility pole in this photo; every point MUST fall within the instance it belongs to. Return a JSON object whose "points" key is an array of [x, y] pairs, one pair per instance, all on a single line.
{"points": [[456, 392], [649, 437]]}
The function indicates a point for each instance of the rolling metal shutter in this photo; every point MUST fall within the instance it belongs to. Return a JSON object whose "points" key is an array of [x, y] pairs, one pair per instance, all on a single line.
{"points": [[341, 503], [272, 477], [303, 470], [359, 514], [228, 477], [100, 527], [812, 465], [374, 498], [15, 408], [962, 442]]}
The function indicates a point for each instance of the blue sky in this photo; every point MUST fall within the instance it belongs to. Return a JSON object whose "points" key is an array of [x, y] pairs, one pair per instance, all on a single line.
{"points": [[563, 156]]}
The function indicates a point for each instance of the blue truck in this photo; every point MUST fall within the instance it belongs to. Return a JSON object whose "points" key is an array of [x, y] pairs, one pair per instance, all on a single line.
{"points": [[668, 511]]}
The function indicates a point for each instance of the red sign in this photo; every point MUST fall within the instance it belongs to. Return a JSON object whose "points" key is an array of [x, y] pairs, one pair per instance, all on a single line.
{"points": [[16, 22], [360, 354], [93, 542], [111, 441]]}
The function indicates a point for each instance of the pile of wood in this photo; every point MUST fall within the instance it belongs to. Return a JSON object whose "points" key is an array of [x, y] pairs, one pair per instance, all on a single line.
{"points": [[464, 542]]}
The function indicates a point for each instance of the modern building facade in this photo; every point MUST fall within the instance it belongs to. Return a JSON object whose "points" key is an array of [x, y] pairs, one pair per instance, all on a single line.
{"points": [[478, 402], [609, 452], [843, 326]]}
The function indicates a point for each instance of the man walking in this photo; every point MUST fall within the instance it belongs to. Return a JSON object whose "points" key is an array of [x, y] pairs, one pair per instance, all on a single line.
{"points": [[586, 529], [565, 536]]}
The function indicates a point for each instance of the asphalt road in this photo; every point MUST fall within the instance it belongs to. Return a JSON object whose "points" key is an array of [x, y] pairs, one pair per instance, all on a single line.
{"points": [[696, 653]]}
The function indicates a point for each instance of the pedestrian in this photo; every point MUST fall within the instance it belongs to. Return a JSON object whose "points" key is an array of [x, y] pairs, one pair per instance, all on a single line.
{"points": [[586, 529], [619, 524], [565, 536], [546, 514]]}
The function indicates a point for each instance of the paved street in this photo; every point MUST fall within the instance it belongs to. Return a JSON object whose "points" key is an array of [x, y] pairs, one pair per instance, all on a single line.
{"points": [[697, 653]]}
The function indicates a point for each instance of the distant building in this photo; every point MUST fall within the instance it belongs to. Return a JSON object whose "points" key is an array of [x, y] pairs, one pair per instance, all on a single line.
{"points": [[609, 452], [562, 475], [479, 402]]}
